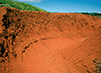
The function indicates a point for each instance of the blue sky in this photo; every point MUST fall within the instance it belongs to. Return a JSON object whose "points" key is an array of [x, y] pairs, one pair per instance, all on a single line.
{"points": [[66, 5]]}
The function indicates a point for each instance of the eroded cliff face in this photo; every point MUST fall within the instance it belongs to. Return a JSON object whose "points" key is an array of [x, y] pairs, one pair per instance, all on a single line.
{"points": [[40, 42]]}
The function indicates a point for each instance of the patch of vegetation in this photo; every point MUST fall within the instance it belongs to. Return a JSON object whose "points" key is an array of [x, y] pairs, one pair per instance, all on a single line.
{"points": [[92, 14], [97, 65], [55, 12], [20, 5]]}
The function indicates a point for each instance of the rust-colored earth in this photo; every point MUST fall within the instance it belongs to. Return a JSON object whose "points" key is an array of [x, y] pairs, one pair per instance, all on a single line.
{"points": [[40, 42]]}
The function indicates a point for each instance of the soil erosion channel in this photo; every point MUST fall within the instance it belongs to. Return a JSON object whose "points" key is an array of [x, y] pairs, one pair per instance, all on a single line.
{"points": [[41, 42]]}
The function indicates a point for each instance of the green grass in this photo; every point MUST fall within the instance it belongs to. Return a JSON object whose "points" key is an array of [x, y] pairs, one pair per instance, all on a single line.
{"points": [[6, 5], [20, 5]]}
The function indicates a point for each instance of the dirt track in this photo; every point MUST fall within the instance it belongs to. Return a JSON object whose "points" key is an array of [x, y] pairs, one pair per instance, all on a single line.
{"points": [[40, 42]]}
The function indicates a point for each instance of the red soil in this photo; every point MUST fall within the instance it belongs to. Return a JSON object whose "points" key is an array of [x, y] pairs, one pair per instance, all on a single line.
{"points": [[40, 42]]}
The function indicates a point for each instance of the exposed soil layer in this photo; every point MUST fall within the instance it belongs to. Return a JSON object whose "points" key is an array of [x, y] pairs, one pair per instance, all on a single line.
{"points": [[40, 42]]}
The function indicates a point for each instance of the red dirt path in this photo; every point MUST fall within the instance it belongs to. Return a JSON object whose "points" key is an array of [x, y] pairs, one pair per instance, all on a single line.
{"points": [[40, 42]]}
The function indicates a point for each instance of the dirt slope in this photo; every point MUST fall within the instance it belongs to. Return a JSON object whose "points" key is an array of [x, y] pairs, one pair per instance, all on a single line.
{"points": [[40, 42]]}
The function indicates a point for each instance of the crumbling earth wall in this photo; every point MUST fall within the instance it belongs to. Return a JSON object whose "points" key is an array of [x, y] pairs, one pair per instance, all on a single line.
{"points": [[27, 28]]}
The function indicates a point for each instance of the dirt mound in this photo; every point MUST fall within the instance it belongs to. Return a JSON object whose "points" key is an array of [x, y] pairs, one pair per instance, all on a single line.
{"points": [[41, 42]]}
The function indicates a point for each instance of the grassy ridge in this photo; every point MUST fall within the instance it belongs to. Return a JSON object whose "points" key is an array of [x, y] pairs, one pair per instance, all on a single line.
{"points": [[20, 5]]}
